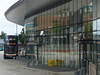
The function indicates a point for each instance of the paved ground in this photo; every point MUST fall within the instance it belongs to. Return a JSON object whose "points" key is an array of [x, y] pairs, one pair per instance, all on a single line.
{"points": [[18, 67], [11, 67], [54, 69], [47, 68]]}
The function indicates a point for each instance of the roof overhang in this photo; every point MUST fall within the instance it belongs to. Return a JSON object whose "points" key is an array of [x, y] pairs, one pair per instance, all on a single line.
{"points": [[16, 12], [26, 8]]}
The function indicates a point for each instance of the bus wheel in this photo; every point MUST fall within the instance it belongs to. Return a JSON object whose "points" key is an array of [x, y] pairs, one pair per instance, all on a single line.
{"points": [[5, 57]]}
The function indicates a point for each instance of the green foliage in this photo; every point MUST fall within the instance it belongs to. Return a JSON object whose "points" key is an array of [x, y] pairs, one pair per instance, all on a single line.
{"points": [[88, 28], [21, 36], [2, 35], [56, 29]]}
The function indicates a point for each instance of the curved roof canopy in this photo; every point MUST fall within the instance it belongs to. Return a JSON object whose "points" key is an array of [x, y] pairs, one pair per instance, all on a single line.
{"points": [[26, 8]]}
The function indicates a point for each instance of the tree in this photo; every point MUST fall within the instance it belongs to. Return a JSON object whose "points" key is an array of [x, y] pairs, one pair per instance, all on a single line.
{"points": [[2, 35], [21, 36]]}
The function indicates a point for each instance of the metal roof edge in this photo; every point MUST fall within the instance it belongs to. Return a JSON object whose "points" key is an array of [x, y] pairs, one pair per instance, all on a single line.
{"points": [[15, 5]]}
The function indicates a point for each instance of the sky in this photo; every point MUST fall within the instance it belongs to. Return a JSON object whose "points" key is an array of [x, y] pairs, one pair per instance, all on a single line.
{"points": [[5, 25]]}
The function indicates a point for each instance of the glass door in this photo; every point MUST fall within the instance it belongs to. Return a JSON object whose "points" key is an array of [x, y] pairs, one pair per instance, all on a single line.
{"points": [[85, 55]]}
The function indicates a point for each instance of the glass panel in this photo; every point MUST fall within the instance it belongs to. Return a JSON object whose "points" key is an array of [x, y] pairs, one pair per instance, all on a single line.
{"points": [[79, 28], [84, 3], [88, 28], [71, 50], [75, 10], [67, 10], [65, 49], [62, 14], [90, 11], [51, 34], [58, 16], [94, 53], [98, 24], [71, 12], [88, 51], [75, 28], [98, 51], [85, 16], [98, 8], [75, 51], [94, 35], [39, 22], [71, 28], [80, 11], [29, 51], [94, 9], [66, 46], [94, 25]]}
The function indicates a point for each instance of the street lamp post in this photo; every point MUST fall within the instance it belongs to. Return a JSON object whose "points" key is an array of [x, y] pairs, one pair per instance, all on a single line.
{"points": [[16, 29]]}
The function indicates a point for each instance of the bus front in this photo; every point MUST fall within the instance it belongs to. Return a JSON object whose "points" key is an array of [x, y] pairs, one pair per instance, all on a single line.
{"points": [[10, 46]]}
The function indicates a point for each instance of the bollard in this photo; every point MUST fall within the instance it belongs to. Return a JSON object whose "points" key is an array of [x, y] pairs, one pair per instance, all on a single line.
{"points": [[17, 57], [76, 72], [84, 71], [37, 62], [28, 64], [80, 72], [62, 63], [14, 58], [32, 63], [71, 63]]}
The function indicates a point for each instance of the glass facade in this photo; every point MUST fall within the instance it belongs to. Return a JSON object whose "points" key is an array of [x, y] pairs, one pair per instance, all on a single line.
{"points": [[69, 32]]}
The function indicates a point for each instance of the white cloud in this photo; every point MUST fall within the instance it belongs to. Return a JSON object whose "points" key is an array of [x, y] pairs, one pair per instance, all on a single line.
{"points": [[5, 25]]}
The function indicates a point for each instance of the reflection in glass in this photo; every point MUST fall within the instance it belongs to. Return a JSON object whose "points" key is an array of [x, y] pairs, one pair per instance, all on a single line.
{"points": [[98, 24]]}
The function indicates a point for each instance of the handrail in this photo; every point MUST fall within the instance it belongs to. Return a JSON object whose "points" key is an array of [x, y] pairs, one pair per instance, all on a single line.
{"points": [[92, 64]]}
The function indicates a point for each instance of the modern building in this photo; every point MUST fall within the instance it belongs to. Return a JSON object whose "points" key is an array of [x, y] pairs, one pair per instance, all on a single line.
{"points": [[65, 30]]}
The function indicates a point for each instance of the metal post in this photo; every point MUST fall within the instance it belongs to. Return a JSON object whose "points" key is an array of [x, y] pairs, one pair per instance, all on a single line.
{"points": [[84, 70], [37, 56], [16, 29], [28, 64], [76, 72], [32, 63], [14, 58]]}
